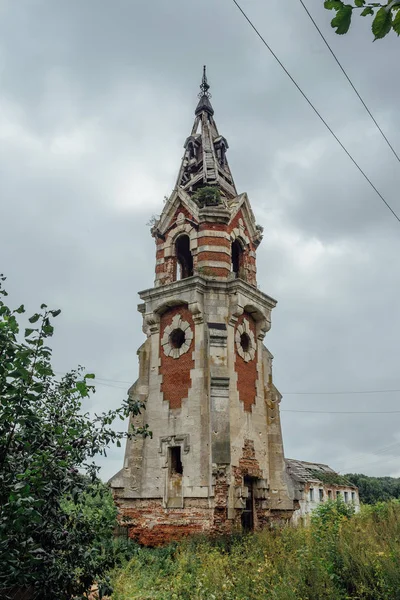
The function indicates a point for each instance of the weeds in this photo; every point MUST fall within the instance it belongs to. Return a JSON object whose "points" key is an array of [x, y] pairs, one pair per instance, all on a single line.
{"points": [[341, 556]]}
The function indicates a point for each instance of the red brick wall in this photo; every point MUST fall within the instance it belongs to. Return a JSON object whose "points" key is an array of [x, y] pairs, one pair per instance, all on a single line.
{"points": [[235, 223], [247, 371], [248, 464], [211, 256], [152, 525], [175, 372], [208, 240]]}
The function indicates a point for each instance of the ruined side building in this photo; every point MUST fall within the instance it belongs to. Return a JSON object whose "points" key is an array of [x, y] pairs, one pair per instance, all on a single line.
{"points": [[311, 484], [215, 461]]}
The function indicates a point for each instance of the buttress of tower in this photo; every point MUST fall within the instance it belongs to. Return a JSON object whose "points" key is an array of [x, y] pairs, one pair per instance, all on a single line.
{"points": [[204, 162]]}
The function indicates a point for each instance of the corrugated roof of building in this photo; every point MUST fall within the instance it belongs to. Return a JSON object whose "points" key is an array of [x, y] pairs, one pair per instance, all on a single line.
{"points": [[303, 471]]}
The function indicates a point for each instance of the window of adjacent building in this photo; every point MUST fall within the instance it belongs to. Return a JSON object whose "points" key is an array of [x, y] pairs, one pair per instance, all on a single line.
{"points": [[237, 257], [184, 258], [321, 495], [329, 494], [346, 496], [311, 494], [337, 494], [353, 496]]}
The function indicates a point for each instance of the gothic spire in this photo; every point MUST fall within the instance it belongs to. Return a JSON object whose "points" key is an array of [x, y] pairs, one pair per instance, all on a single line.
{"points": [[204, 162], [204, 95]]}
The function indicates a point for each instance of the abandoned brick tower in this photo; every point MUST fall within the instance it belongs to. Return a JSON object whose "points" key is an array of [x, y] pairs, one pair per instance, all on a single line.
{"points": [[215, 461]]}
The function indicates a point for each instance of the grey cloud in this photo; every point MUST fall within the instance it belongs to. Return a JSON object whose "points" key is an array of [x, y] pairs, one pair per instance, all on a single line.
{"points": [[97, 100]]}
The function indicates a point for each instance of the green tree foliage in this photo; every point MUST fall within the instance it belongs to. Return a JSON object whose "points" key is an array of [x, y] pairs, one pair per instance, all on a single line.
{"points": [[375, 489], [49, 530], [386, 17]]}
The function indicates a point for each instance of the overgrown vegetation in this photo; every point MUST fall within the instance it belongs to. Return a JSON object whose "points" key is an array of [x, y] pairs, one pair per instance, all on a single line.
{"points": [[341, 556], [56, 518], [207, 195], [330, 478]]}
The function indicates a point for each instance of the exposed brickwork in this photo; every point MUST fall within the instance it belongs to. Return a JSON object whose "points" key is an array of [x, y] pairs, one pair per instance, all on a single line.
{"points": [[214, 241], [247, 371], [182, 209], [153, 525], [175, 372], [212, 227], [221, 488], [248, 464], [235, 223], [248, 270], [214, 272], [220, 256]]}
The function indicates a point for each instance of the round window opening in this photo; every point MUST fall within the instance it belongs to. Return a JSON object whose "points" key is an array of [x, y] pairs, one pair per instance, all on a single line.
{"points": [[245, 342], [177, 338]]}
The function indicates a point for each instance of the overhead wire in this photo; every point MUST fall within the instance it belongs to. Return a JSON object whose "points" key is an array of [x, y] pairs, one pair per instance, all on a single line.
{"points": [[341, 393], [344, 412], [349, 80], [379, 452], [107, 381], [317, 112]]}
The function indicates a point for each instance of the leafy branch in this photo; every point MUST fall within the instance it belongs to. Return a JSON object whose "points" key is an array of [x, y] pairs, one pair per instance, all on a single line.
{"points": [[386, 16], [47, 443]]}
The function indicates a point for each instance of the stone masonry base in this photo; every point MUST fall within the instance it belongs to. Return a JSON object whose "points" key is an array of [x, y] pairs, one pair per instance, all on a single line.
{"points": [[150, 524]]}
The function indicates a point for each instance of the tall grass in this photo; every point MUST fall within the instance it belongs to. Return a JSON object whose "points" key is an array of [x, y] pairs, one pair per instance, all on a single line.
{"points": [[338, 557]]}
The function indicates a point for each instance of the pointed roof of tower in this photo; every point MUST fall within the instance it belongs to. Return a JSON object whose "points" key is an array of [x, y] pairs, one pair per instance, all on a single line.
{"points": [[204, 162], [204, 165], [204, 95]]}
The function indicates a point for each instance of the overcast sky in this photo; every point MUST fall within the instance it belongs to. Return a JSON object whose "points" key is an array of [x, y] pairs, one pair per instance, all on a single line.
{"points": [[97, 98]]}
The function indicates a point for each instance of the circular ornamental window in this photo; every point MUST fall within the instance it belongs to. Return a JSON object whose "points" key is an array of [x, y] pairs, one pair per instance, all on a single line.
{"points": [[177, 337], [245, 341]]}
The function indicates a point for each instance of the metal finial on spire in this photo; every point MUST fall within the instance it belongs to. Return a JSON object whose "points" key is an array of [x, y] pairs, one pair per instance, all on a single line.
{"points": [[204, 86]]}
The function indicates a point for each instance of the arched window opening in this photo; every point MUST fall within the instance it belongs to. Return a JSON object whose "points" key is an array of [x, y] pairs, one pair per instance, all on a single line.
{"points": [[237, 258], [184, 257]]}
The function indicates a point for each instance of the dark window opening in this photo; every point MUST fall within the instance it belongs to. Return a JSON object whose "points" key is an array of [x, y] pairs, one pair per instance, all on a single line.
{"points": [[248, 511], [330, 494], [177, 338], [175, 460], [237, 257], [321, 495], [184, 257], [337, 494], [245, 342]]}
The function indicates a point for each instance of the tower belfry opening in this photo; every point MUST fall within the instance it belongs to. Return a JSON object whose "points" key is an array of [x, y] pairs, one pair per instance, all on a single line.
{"points": [[184, 257], [215, 461], [236, 257]]}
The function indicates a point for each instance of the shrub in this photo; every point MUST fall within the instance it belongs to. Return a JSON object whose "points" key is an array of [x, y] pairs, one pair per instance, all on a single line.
{"points": [[56, 518]]}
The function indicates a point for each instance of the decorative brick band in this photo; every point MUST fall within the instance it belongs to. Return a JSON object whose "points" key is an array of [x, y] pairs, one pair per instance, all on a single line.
{"points": [[215, 264], [212, 248]]}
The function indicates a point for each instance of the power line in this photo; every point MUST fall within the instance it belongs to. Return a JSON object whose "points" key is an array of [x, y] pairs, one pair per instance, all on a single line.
{"points": [[316, 112], [361, 457], [107, 381], [341, 393], [349, 80], [344, 412]]}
